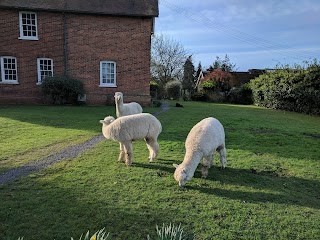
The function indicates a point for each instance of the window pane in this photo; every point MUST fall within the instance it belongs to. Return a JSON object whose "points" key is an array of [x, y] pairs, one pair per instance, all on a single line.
{"points": [[29, 27], [45, 68]]}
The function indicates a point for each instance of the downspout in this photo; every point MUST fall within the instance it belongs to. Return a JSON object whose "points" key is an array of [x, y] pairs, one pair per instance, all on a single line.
{"points": [[65, 44]]}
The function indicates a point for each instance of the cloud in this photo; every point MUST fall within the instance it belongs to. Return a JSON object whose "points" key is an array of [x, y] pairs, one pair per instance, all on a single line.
{"points": [[263, 32]]}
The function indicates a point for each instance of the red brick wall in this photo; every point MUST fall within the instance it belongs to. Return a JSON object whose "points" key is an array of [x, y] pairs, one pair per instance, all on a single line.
{"points": [[49, 45], [90, 39]]}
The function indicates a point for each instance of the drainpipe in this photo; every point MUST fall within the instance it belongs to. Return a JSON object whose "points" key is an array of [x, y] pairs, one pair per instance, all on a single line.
{"points": [[65, 44]]}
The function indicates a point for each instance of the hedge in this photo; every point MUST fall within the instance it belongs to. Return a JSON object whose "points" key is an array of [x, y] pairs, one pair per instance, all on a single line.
{"points": [[294, 89]]}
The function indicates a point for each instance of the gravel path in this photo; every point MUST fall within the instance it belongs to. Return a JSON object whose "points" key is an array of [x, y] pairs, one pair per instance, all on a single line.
{"points": [[67, 153]]}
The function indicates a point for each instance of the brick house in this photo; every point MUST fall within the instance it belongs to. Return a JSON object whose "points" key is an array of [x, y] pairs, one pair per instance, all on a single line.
{"points": [[104, 43]]}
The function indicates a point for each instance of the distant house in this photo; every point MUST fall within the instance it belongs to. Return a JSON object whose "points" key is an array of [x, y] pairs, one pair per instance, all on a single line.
{"points": [[238, 78], [104, 43]]}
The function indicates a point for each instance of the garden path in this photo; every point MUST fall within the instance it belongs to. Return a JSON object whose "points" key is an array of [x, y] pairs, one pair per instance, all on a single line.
{"points": [[68, 153]]}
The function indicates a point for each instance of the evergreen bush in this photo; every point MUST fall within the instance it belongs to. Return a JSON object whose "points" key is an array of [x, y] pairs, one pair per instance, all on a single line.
{"points": [[240, 95], [62, 89], [294, 89], [199, 96], [173, 89]]}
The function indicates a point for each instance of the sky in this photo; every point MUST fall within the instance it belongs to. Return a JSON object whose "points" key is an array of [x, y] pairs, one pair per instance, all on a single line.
{"points": [[254, 34]]}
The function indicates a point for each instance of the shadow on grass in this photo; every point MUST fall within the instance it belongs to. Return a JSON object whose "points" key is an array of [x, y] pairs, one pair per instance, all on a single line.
{"points": [[254, 186], [64, 116], [285, 189]]}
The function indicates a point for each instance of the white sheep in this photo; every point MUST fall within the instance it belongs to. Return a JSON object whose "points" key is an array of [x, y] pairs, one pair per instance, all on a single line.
{"points": [[203, 140], [133, 127], [124, 109]]}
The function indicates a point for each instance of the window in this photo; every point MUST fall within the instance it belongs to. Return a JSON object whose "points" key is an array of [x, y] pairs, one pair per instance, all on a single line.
{"points": [[28, 25], [9, 70], [45, 68], [107, 74]]}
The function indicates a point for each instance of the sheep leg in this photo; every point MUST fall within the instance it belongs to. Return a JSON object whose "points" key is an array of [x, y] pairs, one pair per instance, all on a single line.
{"points": [[128, 152], [153, 147], [223, 156], [206, 164], [122, 153]]}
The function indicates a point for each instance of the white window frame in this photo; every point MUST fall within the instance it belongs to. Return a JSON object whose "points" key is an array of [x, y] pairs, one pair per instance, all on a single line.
{"points": [[41, 70], [28, 25], [106, 81], [4, 70]]}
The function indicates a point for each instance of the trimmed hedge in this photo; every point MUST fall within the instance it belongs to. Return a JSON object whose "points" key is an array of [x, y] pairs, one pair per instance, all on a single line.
{"points": [[295, 89]]}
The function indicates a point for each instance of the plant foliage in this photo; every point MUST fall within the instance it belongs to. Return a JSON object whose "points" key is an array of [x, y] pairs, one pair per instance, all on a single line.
{"points": [[62, 89], [240, 95], [294, 89], [99, 235], [171, 232], [221, 80], [173, 89]]}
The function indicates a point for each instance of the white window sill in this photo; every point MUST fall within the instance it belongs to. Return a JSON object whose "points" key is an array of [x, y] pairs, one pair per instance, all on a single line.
{"points": [[29, 38], [9, 82], [39, 83], [110, 86]]}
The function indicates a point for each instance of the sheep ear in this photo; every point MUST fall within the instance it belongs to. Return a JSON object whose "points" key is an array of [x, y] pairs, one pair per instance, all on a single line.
{"points": [[175, 165], [101, 121]]}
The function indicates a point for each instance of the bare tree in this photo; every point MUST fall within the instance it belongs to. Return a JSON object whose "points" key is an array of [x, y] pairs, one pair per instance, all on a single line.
{"points": [[167, 59]]}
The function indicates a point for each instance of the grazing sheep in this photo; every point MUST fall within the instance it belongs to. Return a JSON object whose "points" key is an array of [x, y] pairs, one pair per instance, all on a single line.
{"points": [[124, 109], [133, 127], [203, 140]]}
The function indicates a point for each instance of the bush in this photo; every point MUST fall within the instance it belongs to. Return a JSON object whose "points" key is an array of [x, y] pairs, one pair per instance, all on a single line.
{"points": [[62, 89], [295, 89], [199, 96], [156, 103], [240, 95], [154, 85], [208, 85], [173, 89]]}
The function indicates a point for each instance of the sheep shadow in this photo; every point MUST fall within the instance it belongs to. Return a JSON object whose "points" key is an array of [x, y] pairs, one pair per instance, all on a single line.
{"points": [[250, 186], [160, 165], [286, 189]]}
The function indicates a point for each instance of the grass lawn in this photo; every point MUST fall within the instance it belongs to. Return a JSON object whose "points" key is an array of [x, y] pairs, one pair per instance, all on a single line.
{"points": [[269, 190]]}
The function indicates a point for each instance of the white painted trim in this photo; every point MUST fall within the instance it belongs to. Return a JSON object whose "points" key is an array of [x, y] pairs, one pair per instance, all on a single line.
{"points": [[39, 82], [3, 80], [112, 85], [21, 28]]}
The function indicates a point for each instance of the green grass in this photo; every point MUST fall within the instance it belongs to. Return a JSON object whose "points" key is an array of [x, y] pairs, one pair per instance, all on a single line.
{"points": [[269, 190]]}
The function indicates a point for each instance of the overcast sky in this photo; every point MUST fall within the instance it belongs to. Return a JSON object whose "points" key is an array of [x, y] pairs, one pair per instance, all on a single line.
{"points": [[254, 34]]}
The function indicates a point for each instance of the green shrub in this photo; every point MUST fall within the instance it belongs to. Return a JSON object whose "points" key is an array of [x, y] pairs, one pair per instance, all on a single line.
{"points": [[240, 95], [208, 85], [156, 103], [173, 89], [296, 89], [199, 96], [154, 89], [62, 89], [154, 85]]}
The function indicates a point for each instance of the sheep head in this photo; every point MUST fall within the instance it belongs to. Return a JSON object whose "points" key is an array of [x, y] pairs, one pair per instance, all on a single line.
{"points": [[118, 96], [107, 120], [181, 174]]}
